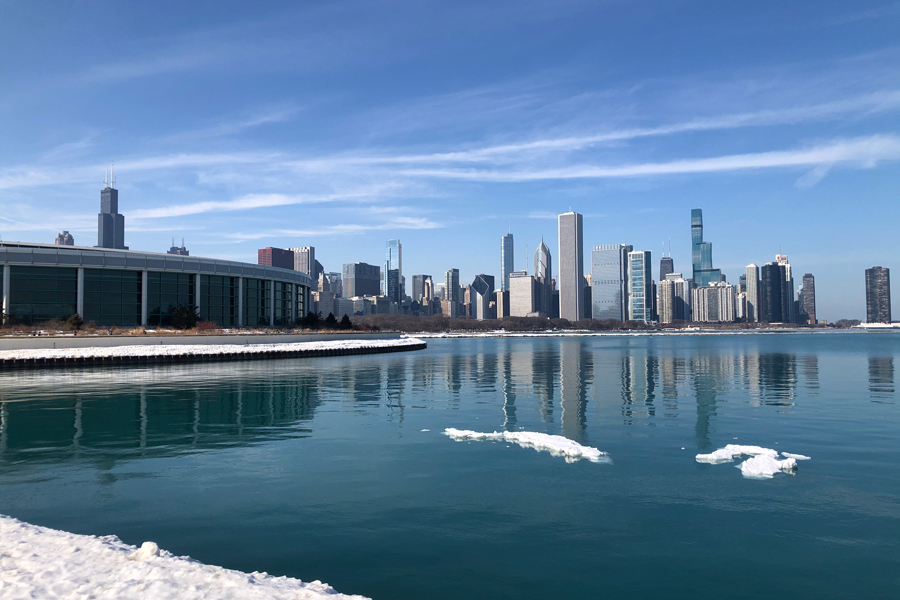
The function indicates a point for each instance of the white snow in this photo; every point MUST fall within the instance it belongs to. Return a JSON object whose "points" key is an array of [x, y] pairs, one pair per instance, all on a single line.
{"points": [[732, 451], [201, 349], [37, 562], [795, 456], [765, 467], [556, 445], [762, 464]]}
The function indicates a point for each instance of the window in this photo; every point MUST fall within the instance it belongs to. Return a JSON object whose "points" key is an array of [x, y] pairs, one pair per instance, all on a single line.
{"points": [[112, 297], [219, 299], [42, 293], [165, 291], [256, 303]]}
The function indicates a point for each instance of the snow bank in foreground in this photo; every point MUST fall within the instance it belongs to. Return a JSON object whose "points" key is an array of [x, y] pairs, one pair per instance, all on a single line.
{"points": [[203, 349], [556, 445], [36, 562], [763, 462]]}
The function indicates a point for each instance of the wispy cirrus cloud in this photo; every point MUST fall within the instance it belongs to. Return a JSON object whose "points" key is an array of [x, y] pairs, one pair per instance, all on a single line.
{"points": [[397, 223], [860, 152]]}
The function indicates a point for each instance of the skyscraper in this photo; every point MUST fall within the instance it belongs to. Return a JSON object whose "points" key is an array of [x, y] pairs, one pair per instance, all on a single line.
{"points": [[666, 301], [110, 224], [522, 294], [609, 293], [418, 287], [481, 296], [64, 238], [640, 286], [393, 271], [787, 290], [666, 266], [713, 303], [701, 253], [507, 262], [451, 285], [543, 275], [275, 257], [878, 295], [682, 292], [753, 299], [361, 279], [571, 267], [305, 260], [809, 298], [771, 293]]}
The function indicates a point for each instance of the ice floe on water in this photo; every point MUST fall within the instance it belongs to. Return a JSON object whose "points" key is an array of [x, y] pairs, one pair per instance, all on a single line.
{"points": [[556, 445], [762, 464], [37, 562]]}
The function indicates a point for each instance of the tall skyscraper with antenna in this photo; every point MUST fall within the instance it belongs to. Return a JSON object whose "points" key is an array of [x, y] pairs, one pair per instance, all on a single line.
{"points": [[110, 224], [666, 264]]}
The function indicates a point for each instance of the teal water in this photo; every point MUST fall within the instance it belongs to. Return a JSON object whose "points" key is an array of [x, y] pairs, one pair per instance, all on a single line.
{"points": [[319, 468]]}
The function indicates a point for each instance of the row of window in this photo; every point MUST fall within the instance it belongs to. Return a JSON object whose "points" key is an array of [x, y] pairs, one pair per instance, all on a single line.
{"points": [[113, 297]]}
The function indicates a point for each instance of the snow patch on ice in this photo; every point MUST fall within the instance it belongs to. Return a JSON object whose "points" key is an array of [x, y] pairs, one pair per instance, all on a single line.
{"points": [[762, 464], [37, 562], [556, 445], [795, 456]]}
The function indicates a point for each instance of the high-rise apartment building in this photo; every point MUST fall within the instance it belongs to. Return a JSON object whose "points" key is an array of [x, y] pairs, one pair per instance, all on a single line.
{"points": [[752, 290], [481, 294], [682, 296], [393, 271], [418, 288], [361, 279], [275, 257], [701, 253], [64, 238], [110, 224], [305, 260], [571, 267], [640, 286], [507, 260], [713, 303], [878, 295], [808, 304], [666, 301], [543, 275]]}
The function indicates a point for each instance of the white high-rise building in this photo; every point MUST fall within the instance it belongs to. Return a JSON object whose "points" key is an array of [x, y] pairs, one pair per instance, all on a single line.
{"points": [[640, 286], [752, 291], [714, 303], [571, 267], [305, 260], [523, 295]]}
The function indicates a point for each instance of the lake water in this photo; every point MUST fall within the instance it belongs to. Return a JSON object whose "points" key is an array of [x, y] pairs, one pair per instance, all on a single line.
{"points": [[320, 468]]}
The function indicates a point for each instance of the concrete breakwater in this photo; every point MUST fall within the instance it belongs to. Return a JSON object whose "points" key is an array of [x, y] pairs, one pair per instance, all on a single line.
{"points": [[184, 353]]}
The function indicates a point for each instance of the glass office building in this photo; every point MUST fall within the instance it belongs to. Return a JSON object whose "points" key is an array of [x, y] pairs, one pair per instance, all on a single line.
{"points": [[122, 288], [701, 253], [609, 270], [640, 286]]}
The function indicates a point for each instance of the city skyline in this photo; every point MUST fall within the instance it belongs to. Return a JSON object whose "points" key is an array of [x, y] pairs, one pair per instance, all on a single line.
{"points": [[337, 149]]}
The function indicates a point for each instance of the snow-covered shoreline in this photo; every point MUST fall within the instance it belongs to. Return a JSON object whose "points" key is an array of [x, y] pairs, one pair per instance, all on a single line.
{"points": [[38, 562], [201, 350]]}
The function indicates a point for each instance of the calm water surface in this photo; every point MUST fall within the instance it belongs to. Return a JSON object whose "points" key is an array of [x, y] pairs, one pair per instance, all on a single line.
{"points": [[319, 469]]}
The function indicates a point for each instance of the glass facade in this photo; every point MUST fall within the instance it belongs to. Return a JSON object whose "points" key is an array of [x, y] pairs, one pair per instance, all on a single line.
{"points": [[284, 296], [219, 299], [165, 291], [609, 271], [640, 287], [256, 303], [112, 297], [42, 293]]}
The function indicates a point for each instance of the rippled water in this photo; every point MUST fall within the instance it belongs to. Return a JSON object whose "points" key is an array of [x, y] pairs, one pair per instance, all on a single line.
{"points": [[319, 468]]}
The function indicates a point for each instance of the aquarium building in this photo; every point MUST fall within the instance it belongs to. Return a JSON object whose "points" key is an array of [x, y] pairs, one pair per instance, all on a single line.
{"points": [[126, 288]]}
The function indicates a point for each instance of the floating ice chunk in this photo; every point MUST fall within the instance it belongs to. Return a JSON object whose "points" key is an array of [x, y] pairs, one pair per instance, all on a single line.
{"points": [[765, 467], [795, 456], [556, 445], [37, 562], [732, 451], [426, 430]]}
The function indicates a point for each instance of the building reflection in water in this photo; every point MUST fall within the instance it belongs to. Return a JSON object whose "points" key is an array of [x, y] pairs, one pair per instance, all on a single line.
{"points": [[810, 369], [508, 387], [778, 378], [575, 376], [881, 378], [704, 380]]}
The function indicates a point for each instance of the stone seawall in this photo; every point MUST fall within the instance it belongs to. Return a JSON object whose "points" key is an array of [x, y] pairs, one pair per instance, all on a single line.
{"points": [[182, 353]]}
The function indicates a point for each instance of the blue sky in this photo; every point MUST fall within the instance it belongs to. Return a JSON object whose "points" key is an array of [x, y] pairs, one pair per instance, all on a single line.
{"points": [[345, 124]]}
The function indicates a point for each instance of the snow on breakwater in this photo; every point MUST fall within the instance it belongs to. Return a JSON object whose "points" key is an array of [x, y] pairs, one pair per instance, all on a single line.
{"points": [[38, 562], [556, 445], [204, 350], [762, 464]]}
